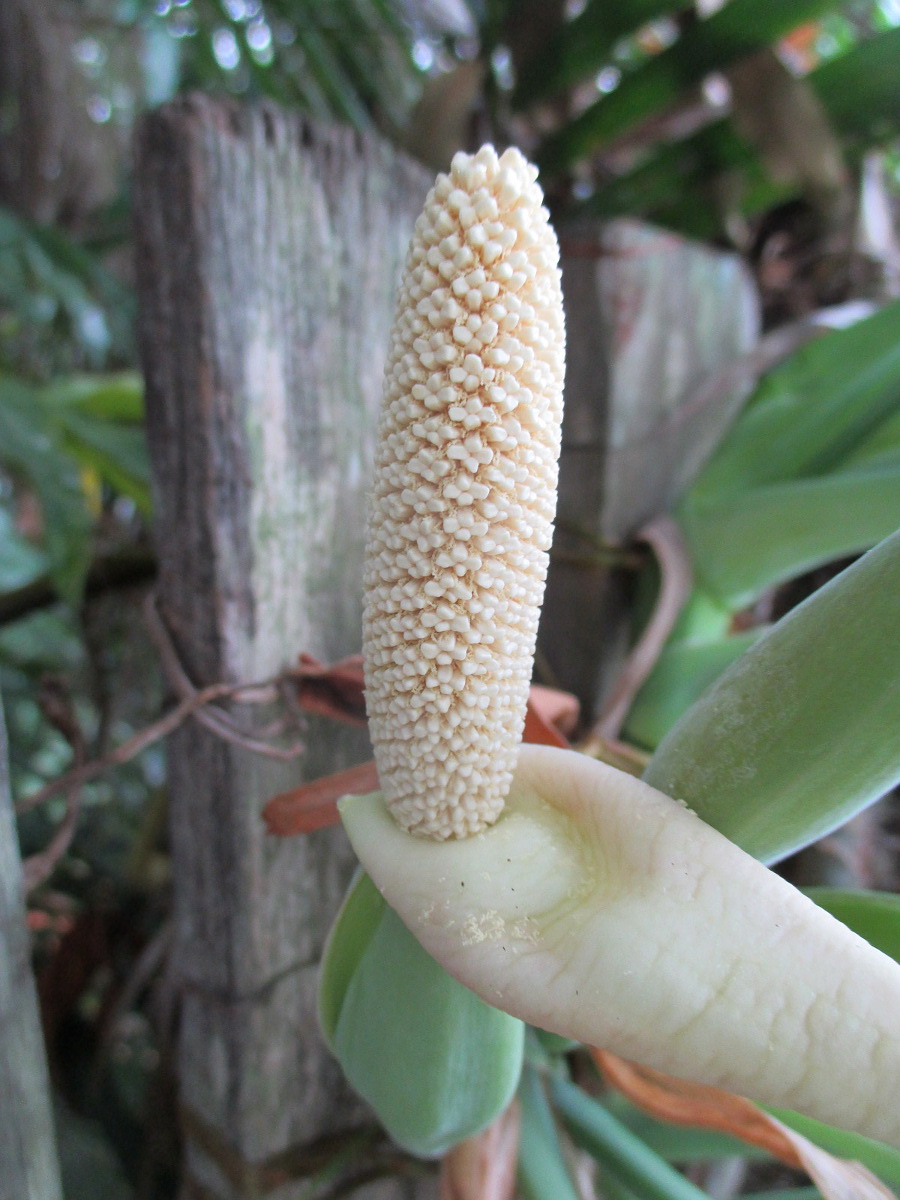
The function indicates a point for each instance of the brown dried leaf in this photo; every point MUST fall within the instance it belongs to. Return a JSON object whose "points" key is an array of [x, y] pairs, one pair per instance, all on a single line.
{"points": [[684, 1103], [313, 805], [335, 691], [484, 1167]]}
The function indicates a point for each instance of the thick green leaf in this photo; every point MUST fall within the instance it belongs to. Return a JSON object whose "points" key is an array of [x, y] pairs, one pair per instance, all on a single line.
{"points": [[353, 929], [883, 1160], [880, 449], [875, 916], [741, 545], [739, 28], [800, 733], [682, 673], [583, 46], [810, 413], [617, 1149], [543, 1174], [435, 1062]]}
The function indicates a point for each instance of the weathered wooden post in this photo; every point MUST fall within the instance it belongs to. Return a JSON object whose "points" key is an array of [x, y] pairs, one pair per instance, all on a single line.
{"points": [[654, 324], [269, 251], [28, 1164]]}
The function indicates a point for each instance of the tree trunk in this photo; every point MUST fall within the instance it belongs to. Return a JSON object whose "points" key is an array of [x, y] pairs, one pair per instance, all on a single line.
{"points": [[28, 1165], [268, 257]]}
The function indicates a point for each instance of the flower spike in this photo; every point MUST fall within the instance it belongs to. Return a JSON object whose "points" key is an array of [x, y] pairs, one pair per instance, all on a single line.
{"points": [[465, 492]]}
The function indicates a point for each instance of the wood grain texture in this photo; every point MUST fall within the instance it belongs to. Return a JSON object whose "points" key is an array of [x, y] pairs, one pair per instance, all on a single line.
{"points": [[28, 1165], [651, 321], [268, 256]]}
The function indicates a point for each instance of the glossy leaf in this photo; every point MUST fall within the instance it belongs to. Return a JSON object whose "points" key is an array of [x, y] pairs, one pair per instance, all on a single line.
{"points": [[875, 916], [737, 29], [435, 1062], [811, 413], [800, 733], [617, 1149], [353, 929], [744, 544], [682, 673], [543, 1174]]}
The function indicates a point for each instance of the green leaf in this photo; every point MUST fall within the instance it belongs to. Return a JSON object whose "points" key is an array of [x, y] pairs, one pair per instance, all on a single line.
{"points": [[583, 46], [435, 1062], [543, 1174], [114, 397], [800, 733], [682, 673], [801, 1193], [353, 929], [738, 29], [617, 1149], [117, 453], [808, 415], [328, 67], [741, 545], [875, 916], [861, 89], [678, 183], [703, 619], [881, 1159], [28, 447], [880, 449]]}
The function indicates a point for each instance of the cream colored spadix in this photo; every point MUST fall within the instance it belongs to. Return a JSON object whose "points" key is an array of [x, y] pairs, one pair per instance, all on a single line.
{"points": [[464, 494], [600, 909]]}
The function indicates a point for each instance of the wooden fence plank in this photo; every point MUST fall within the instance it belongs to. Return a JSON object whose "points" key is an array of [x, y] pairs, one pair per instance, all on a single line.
{"points": [[28, 1165], [269, 251], [651, 321]]}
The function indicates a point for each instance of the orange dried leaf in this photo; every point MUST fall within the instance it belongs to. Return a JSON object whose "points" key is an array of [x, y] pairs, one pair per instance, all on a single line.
{"points": [[335, 691], [682, 1103], [314, 805]]}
